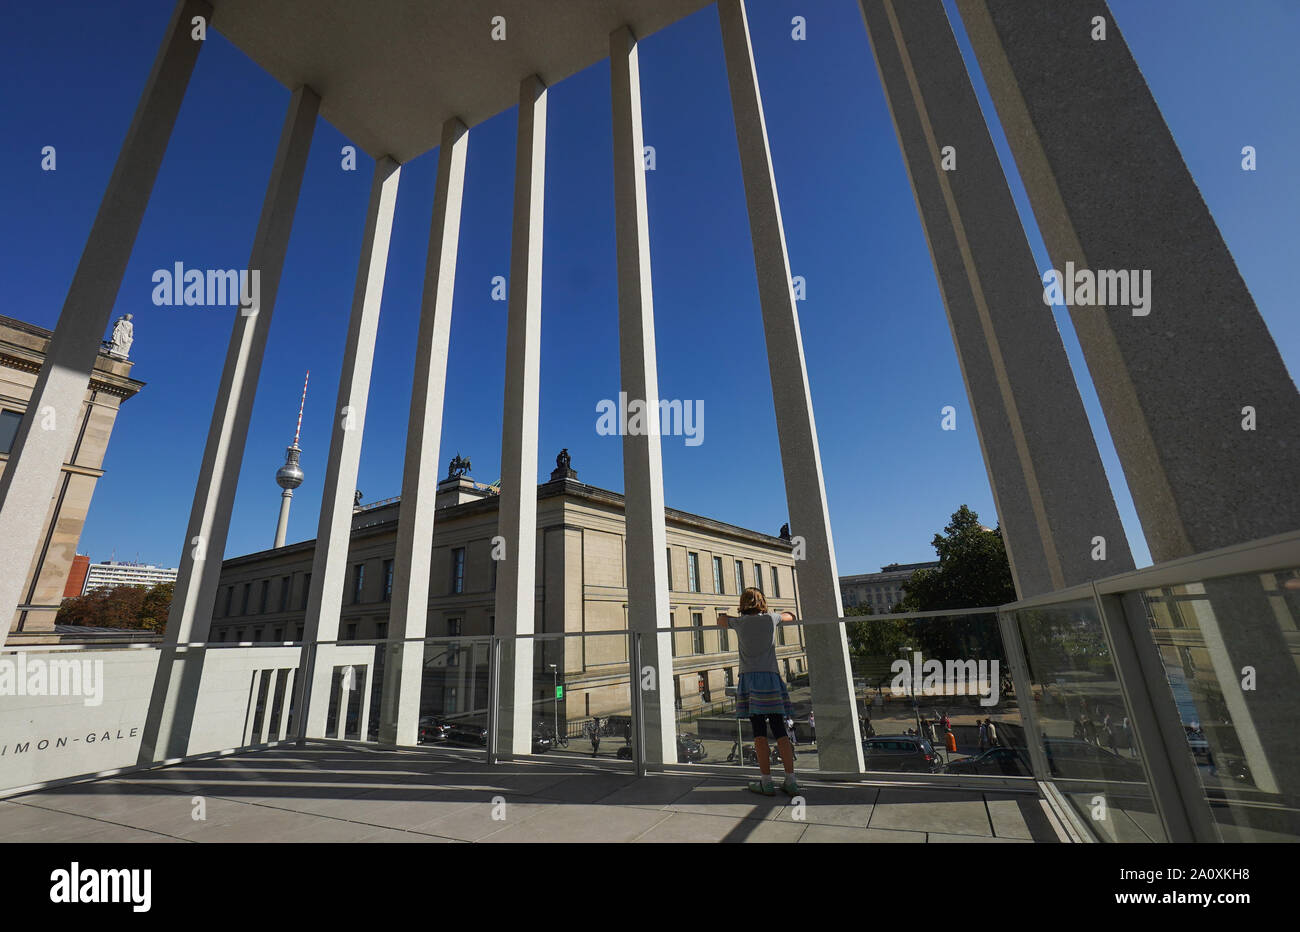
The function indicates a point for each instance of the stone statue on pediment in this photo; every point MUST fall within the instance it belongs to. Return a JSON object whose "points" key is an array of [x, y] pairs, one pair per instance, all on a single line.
{"points": [[123, 337]]}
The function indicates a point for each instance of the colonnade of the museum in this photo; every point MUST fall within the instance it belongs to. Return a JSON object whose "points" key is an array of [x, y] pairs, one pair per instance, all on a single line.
{"points": [[1108, 188]]}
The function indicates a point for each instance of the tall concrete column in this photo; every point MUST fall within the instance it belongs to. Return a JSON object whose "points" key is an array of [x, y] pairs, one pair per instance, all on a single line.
{"points": [[643, 473], [516, 598], [838, 741], [329, 569], [1110, 191], [400, 713], [190, 617], [48, 428], [1052, 495]]}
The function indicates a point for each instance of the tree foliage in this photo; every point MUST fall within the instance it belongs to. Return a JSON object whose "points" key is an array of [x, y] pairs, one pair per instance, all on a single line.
{"points": [[120, 607], [973, 572], [973, 569]]}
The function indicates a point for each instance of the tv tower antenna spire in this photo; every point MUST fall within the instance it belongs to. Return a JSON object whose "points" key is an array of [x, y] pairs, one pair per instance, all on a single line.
{"points": [[290, 475]]}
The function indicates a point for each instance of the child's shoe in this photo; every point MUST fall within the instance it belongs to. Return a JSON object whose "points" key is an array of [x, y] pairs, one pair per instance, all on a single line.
{"points": [[791, 786]]}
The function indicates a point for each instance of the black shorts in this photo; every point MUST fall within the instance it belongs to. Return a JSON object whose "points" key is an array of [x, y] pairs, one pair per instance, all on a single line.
{"points": [[761, 724]]}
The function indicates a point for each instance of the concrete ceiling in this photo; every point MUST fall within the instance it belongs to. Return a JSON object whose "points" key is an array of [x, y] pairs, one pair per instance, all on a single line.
{"points": [[390, 72]]}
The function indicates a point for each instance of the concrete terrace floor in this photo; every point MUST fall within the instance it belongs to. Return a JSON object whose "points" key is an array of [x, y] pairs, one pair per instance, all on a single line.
{"points": [[345, 794]]}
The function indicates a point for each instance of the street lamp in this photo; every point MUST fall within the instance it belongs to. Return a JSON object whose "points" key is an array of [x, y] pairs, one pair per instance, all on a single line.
{"points": [[555, 697], [911, 688]]}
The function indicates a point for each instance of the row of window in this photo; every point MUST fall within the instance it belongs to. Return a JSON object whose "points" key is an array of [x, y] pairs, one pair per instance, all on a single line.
{"points": [[719, 588], [456, 583]]}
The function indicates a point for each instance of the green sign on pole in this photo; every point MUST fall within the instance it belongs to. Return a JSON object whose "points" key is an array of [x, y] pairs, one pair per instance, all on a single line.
{"points": [[559, 692]]}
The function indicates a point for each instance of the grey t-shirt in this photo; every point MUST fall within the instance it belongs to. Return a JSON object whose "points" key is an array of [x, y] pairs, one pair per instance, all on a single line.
{"points": [[757, 636]]}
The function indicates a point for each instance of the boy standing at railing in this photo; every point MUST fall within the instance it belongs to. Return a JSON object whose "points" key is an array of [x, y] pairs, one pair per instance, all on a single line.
{"points": [[761, 695]]}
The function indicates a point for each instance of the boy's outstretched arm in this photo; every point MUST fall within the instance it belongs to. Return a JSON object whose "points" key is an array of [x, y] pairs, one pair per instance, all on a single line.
{"points": [[723, 619]]}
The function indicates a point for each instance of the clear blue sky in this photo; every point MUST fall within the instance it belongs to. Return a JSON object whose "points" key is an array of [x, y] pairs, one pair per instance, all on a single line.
{"points": [[880, 356]]}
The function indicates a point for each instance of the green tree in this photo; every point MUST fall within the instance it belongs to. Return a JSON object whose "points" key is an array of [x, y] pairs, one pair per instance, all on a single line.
{"points": [[118, 607], [154, 607], [973, 569]]}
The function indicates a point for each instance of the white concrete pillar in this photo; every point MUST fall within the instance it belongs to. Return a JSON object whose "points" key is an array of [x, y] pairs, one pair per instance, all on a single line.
{"points": [[643, 481], [1111, 193], [516, 596], [1053, 498], [334, 532], [190, 617], [49, 426], [404, 665], [838, 742]]}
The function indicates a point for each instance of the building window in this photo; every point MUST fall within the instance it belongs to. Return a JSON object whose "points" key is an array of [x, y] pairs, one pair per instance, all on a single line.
{"points": [[300, 629], [728, 677], [724, 640], [717, 575], [453, 650], [381, 630], [352, 632], [230, 594], [239, 635], [358, 581], [266, 591], [740, 577], [388, 580], [243, 602], [279, 634], [306, 594], [776, 584], [758, 578], [697, 636], [458, 570], [257, 634], [9, 421], [285, 585], [669, 554], [693, 571]]}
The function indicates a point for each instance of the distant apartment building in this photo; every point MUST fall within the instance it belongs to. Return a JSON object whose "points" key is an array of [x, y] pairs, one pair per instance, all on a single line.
{"points": [[22, 351], [113, 573], [581, 590], [883, 590]]}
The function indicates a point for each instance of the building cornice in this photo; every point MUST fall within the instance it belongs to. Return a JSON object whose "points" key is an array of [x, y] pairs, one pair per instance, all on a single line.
{"points": [[566, 488]]}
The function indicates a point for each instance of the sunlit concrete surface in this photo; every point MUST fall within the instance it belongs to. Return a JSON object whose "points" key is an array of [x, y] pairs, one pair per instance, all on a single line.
{"points": [[391, 74], [331, 794]]}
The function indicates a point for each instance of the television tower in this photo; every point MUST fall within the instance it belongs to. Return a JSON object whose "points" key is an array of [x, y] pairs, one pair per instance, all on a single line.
{"points": [[290, 475]]}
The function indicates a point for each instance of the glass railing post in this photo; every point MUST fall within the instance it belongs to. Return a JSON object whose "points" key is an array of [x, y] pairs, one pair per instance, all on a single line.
{"points": [[1015, 651], [494, 694], [638, 712], [1161, 740]]}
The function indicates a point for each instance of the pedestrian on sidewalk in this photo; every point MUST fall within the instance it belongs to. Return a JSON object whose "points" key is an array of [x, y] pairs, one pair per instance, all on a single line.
{"points": [[761, 695], [992, 732], [595, 735]]}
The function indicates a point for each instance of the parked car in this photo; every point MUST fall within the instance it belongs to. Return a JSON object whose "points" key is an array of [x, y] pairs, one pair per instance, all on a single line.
{"points": [[690, 750], [541, 742], [433, 730], [1083, 760], [900, 754], [466, 734], [999, 761]]}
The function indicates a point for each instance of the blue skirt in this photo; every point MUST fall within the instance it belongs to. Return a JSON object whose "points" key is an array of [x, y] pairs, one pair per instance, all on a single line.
{"points": [[762, 694]]}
